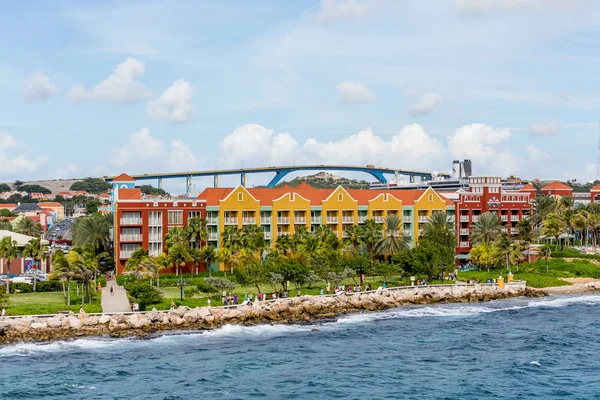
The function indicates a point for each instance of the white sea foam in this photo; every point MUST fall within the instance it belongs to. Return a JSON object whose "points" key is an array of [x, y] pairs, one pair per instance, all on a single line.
{"points": [[536, 363], [565, 301], [28, 349]]}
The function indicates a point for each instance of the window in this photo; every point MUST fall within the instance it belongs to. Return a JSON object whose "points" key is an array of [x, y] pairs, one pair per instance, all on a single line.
{"points": [[340, 197], [154, 249], [240, 196], [176, 217], [155, 218], [430, 198], [193, 214]]}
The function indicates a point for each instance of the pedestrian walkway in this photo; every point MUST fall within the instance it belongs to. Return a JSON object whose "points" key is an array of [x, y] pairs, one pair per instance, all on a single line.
{"points": [[116, 303]]}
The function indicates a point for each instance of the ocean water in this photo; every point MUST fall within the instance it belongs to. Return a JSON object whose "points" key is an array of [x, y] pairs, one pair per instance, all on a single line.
{"points": [[509, 349]]}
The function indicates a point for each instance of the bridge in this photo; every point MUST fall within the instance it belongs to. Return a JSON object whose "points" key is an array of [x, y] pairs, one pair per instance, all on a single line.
{"points": [[280, 173]]}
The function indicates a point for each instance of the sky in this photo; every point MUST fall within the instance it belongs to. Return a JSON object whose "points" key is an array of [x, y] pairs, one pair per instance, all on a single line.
{"points": [[100, 88]]}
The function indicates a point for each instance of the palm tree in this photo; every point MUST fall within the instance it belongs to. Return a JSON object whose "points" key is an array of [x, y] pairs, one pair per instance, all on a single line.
{"points": [[486, 229], [311, 246], [195, 257], [177, 247], [197, 231], [162, 262], [354, 236], [94, 230], [34, 249], [594, 223], [553, 226], [545, 252], [26, 226], [372, 233], [140, 264], [439, 220], [284, 244], [253, 238], [542, 206], [232, 238], [393, 240], [504, 248], [300, 233], [63, 269], [8, 252], [525, 228], [5, 225], [580, 221], [209, 256]]}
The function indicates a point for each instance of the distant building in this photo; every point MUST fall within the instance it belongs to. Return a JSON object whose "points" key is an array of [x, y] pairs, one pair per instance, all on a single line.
{"points": [[104, 197], [595, 194], [557, 189], [9, 207], [65, 195], [55, 207], [27, 209], [19, 264], [37, 196]]}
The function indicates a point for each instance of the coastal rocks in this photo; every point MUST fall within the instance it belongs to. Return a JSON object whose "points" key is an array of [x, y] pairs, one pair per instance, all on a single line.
{"points": [[74, 323], [104, 319]]}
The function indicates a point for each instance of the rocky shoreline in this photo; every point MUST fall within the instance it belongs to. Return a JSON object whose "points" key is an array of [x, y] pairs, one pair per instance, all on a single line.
{"points": [[282, 311]]}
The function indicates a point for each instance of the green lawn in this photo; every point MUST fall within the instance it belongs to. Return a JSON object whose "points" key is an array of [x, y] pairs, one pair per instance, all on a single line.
{"points": [[45, 303]]}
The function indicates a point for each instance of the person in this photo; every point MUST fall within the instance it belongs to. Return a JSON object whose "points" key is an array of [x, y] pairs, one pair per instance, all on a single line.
{"points": [[328, 288], [3, 312], [384, 285], [321, 292], [235, 299], [172, 305], [274, 295], [81, 309], [368, 287], [299, 294], [208, 302], [112, 290]]}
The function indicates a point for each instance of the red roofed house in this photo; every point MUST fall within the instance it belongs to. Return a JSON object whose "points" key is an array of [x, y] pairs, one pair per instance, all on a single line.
{"points": [[65, 195], [595, 194], [529, 189], [557, 189], [52, 206], [37, 195]]}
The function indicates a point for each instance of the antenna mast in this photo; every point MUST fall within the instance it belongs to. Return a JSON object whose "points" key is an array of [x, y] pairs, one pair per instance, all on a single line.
{"points": [[598, 165]]}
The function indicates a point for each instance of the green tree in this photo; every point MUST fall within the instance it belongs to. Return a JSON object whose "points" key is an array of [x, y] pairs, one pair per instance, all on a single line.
{"points": [[553, 226], [483, 255], [26, 226], [5, 225], [8, 252], [486, 229], [393, 240], [209, 256], [545, 252], [284, 244], [91, 206], [354, 236], [91, 185], [62, 270], [140, 264], [542, 207], [6, 213], [161, 262], [197, 231], [372, 233], [94, 230]]}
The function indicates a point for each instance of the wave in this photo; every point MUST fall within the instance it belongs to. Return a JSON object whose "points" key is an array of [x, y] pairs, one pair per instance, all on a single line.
{"points": [[269, 331]]}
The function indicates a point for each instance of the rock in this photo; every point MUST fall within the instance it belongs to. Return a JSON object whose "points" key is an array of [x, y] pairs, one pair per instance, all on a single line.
{"points": [[82, 315], [74, 323], [203, 312], [39, 325], [90, 321], [21, 327], [209, 319], [54, 322], [180, 311], [104, 319]]}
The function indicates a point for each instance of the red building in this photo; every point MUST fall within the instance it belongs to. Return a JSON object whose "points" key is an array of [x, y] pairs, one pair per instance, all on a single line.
{"points": [[486, 195], [143, 222], [557, 189], [595, 194]]}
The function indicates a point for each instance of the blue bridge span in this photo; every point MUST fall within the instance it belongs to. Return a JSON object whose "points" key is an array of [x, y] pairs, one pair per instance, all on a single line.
{"points": [[280, 173]]}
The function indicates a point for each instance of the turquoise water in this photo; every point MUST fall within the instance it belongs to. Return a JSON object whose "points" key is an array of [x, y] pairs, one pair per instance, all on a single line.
{"points": [[509, 349]]}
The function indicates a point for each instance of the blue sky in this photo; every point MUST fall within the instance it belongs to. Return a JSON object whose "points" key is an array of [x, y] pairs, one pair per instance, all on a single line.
{"points": [[94, 88]]}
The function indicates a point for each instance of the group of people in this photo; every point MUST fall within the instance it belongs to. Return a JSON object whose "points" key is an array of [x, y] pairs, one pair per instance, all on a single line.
{"points": [[349, 288]]}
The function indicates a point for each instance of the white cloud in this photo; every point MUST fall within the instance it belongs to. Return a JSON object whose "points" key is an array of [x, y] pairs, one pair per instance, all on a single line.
{"points": [[142, 153], [122, 86], [174, 105], [351, 92], [535, 155], [479, 142], [334, 10], [38, 88], [544, 128], [479, 7], [255, 145], [426, 104], [16, 166]]}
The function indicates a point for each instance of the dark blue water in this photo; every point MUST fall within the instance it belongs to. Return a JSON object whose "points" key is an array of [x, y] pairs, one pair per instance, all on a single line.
{"points": [[511, 349]]}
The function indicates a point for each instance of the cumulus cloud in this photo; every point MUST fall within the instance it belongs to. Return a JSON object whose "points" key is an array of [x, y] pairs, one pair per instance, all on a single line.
{"points": [[426, 104], [16, 166], [535, 155], [544, 128], [351, 92], [122, 86], [174, 105], [479, 7], [143, 152], [38, 88], [255, 145], [334, 10]]}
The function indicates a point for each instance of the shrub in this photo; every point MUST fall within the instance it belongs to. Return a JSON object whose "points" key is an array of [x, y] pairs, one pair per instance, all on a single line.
{"points": [[205, 288], [20, 287], [144, 293], [220, 284], [49, 286]]}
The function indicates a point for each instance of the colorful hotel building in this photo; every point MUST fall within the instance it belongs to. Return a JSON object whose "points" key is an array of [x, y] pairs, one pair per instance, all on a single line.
{"points": [[486, 195]]}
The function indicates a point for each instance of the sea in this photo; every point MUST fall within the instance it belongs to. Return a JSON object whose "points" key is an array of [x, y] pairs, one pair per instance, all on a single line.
{"points": [[546, 348]]}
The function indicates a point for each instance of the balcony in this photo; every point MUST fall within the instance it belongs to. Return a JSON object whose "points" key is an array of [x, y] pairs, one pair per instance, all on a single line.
{"points": [[504, 218], [464, 218], [154, 222], [265, 220], [406, 232], [504, 230], [379, 219], [249, 221], [406, 219], [514, 218], [280, 234], [131, 221], [213, 236], [514, 231], [315, 220], [300, 220], [423, 218], [362, 219], [212, 220], [154, 238], [125, 254], [463, 231], [267, 235], [464, 244], [231, 220], [283, 220], [475, 218], [332, 220], [347, 220], [131, 237]]}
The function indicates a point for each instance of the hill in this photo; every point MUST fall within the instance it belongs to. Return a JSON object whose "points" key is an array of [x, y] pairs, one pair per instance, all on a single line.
{"points": [[324, 180]]}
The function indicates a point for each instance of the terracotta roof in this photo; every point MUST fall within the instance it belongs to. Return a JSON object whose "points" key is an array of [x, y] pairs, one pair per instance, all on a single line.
{"points": [[595, 188], [124, 178], [49, 204], [9, 207], [556, 185], [103, 195], [528, 188], [130, 194]]}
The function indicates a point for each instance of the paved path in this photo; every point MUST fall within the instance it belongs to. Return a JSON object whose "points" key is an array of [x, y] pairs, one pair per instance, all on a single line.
{"points": [[116, 303]]}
